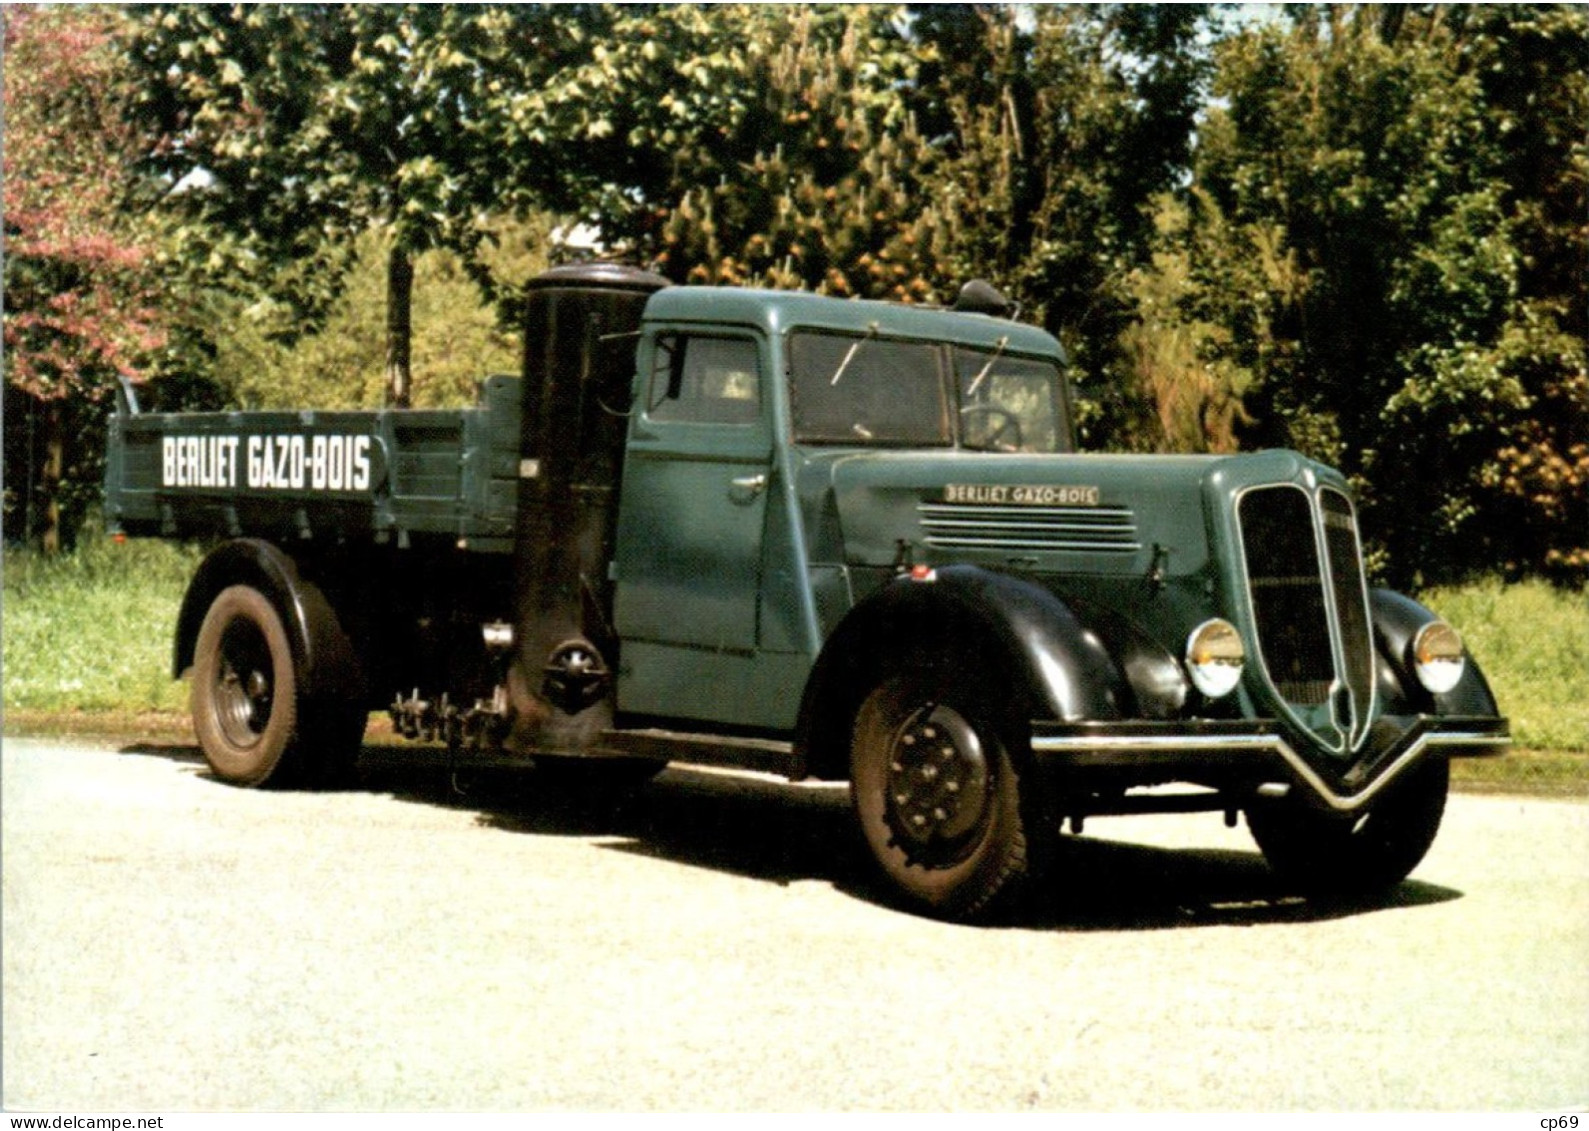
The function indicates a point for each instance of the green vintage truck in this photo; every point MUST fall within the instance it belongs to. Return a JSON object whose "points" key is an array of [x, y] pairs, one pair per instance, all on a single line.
{"points": [[828, 539]]}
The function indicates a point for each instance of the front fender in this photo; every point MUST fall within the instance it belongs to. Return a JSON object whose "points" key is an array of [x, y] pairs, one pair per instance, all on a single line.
{"points": [[1031, 642], [1397, 619]]}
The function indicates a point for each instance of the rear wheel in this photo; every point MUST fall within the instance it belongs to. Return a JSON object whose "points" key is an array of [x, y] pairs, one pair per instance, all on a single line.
{"points": [[938, 797], [245, 691], [1361, 855], [253, 721]]}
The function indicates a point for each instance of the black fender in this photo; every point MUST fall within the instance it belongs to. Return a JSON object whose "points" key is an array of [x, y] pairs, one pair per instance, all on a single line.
{"points": [[1029, 640], [325, 659], [1397, 619], [1157, 680]]}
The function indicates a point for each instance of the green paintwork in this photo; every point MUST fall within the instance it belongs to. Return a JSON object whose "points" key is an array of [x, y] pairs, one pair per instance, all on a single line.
{"points": [[833, 519], [723, 622], [452, 474], [739, 551]]}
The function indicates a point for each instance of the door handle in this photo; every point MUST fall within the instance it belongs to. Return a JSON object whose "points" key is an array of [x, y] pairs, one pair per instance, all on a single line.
{"points": [[747, 487]]}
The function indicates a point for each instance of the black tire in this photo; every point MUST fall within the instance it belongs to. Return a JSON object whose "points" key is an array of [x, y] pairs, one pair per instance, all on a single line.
{"points": [[245, 691], [941, 803], [253, 721], [1362, 855]]}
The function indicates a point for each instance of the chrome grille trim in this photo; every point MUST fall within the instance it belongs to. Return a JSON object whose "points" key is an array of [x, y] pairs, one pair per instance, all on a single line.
{"points": [[957, 526], [1349, 588]]}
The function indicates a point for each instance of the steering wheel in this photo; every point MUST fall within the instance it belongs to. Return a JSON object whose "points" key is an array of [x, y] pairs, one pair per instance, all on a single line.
{"points": [[1008, 426]]}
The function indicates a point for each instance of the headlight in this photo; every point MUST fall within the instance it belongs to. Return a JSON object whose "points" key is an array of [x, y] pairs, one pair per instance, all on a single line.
{"points": [[1437, 656], [1214, 656]]}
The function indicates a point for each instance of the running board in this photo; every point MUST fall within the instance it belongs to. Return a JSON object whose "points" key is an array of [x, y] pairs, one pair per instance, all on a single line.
{"points": [[763, 755]]}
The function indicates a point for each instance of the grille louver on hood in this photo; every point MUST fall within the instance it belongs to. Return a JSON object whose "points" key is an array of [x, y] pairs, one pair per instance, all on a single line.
{"points": [[959, 526]]}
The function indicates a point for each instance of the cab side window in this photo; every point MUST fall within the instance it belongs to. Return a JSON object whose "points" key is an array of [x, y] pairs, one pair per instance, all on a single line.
{"points": [[705, 381]]}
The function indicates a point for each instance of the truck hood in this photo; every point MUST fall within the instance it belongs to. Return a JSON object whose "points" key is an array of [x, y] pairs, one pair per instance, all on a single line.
{"points": [[1088, 514]]}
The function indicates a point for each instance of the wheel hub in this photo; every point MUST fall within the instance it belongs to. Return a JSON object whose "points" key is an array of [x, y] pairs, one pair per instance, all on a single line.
{"points": [[244, 690], [937, 786]]}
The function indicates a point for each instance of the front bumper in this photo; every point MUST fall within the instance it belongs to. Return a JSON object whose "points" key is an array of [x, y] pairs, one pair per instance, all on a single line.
{"points": [[1255, 756]]}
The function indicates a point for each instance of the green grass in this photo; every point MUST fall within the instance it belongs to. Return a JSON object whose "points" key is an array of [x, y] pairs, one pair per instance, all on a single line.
{"points": [[91, 630], [87, 648], [1532, 641]]}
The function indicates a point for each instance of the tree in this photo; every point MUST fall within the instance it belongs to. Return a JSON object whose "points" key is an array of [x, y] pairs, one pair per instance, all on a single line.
{"points": [[1178, 349], [1408, 215], [456, 340], [81, 308], [820, 183], [894, 153], [1533, 68], [1370, 244], [742, 144], [290, 131], [1057, 131]]}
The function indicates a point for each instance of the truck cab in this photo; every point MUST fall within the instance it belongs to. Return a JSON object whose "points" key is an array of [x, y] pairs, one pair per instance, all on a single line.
{"points": [[760, 422], [831, 539]]}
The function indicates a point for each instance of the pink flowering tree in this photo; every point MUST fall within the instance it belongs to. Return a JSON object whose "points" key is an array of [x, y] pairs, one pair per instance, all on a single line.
{"points": [[80, 306]]}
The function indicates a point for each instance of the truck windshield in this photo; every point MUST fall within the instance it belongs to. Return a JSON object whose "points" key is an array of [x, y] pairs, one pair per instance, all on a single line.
{"points": [[1008, 404], [852, 389], [855, 389]]}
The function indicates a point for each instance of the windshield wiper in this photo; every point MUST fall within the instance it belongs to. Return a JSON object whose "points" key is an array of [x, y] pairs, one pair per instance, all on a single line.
{"points": [[976, 382], [871, 332]]}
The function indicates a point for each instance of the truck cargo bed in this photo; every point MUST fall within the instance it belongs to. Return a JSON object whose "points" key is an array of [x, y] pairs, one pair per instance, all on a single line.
{"points": [[388, 475]]}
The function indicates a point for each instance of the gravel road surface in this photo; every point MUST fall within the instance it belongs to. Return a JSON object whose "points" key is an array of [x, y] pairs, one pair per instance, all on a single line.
{"points": [[174, 944]]}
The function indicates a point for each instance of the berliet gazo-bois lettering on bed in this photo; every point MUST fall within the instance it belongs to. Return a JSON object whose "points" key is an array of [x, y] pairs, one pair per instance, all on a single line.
{"points": [[830, 539]]}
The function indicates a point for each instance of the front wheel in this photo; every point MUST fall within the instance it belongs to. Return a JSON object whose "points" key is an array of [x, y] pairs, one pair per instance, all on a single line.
{"points": [[939, 799], [1361, 856]]}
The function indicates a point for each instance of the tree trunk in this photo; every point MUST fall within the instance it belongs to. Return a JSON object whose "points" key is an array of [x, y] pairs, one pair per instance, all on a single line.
{"points": [[51, 474], [399, 328]]}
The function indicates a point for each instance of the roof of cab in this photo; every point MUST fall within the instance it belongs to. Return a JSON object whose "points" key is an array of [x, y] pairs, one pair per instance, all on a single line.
{"points": [[776, 312]]}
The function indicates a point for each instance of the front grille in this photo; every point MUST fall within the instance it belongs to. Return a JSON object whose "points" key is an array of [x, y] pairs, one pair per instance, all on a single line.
{"points": [[1288, 593], [1303, 606], [954, 526]]}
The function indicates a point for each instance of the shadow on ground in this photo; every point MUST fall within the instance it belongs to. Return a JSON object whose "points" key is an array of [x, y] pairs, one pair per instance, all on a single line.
{"points": [[766, 829]]}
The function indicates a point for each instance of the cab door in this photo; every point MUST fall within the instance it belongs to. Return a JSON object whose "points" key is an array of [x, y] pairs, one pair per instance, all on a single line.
{"points": [[694, 499]]}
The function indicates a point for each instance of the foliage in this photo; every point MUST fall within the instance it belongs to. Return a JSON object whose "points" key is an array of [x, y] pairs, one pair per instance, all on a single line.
{"points": [[1401, 315], [1354, 230], [293, 130], [1179, 351], [873, 150], [735, 143], [78, 301], [81, 307], [1056, 129], [746, 144], [456, 341], [835, 203]]}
